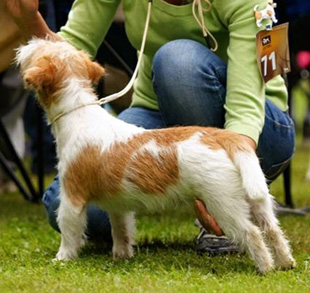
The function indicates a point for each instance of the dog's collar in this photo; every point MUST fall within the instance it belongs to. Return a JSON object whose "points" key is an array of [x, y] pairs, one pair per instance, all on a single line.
{"points": [[58, 116]]}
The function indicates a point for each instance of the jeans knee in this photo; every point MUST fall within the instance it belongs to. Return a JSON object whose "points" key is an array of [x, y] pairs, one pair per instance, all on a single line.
{"points": [[181, 65], [179, 57], [186, 57], [186, 75]]}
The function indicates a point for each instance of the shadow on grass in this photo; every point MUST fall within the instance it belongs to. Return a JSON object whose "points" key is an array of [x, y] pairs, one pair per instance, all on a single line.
{"points": [[162, 256]]}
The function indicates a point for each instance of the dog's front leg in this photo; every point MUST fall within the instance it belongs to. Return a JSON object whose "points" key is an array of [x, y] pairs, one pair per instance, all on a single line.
{"points": [[72, 223], [123, 230]]}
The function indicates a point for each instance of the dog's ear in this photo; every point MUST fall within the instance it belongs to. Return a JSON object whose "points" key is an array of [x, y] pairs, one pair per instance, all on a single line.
{"points": [[95, 70], [42, 74]]}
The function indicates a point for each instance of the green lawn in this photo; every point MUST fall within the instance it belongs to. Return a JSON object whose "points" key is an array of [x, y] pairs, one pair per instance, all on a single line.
{"points": [[165, 259]]}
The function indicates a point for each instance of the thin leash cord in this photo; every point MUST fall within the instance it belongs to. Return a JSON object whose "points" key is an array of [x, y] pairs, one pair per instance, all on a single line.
{"points": [[132, 80], [200, 19], [119, 94]]}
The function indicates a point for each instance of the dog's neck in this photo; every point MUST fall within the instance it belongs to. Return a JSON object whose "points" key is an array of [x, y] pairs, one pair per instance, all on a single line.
{"points": [[70, 97], [73, 94], [85, 122]]}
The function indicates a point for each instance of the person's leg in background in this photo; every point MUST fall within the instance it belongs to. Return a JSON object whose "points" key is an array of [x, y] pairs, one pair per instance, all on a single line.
{"points": [[190, 83]]}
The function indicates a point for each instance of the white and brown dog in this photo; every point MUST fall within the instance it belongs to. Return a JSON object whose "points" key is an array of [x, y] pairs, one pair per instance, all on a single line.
{"points": [[132, 170]]}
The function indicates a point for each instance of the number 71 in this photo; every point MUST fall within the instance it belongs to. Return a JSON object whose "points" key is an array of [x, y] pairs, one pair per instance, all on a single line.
{"points": [[272, 58]]}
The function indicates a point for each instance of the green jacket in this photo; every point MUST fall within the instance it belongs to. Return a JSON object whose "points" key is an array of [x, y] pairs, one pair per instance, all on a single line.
{"points": [[231, 22]]}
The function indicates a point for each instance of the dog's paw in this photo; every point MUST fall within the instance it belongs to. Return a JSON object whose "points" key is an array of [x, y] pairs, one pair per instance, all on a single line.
{"points": [[288, 264], [65, 255], [263, 270], [124, 251]]}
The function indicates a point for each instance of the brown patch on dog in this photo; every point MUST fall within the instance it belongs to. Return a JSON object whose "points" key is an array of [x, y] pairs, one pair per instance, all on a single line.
{"points": [[94, 173], [214, 138], [230, 141], [45, 78], [154, 174], [95, 70], [170, 136]]}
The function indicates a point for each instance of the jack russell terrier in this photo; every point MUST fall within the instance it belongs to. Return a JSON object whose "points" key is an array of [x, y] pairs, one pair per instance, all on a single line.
{"points": [[131, 169]]}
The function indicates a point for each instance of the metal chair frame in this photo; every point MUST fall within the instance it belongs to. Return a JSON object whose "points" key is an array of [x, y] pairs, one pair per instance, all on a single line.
{"points": [[27, 189]]}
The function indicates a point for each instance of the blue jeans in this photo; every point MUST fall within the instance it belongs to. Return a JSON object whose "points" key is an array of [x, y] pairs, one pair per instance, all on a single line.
{"points": [[190, 84]]}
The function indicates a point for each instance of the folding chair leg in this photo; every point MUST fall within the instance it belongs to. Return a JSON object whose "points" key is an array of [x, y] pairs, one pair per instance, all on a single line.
{"points": [[287, 186], [289, 205], [8, 169], [18, 162], [40, 146]]}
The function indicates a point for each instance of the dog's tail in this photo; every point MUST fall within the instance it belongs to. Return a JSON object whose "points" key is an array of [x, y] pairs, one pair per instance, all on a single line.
{"points": [[252, 176]]}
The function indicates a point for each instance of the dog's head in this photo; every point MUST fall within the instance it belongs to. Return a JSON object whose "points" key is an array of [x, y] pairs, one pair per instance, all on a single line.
{"points": [[48, 65]]}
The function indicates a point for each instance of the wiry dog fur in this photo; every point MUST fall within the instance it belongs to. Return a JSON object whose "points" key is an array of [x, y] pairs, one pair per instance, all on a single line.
{"points": [[131, 169]]}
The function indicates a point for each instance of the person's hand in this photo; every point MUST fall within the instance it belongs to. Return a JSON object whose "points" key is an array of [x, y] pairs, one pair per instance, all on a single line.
{"points": [[250, 141], [22, 10], [28, 18]]}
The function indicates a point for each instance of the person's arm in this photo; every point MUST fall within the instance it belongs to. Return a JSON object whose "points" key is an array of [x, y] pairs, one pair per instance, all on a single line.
{"points": [[88, 23], [28, 18], [245, 99]]}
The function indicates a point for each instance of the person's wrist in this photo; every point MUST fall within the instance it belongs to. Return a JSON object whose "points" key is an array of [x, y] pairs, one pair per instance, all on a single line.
{"points": [[34, 26], [249, 141]]}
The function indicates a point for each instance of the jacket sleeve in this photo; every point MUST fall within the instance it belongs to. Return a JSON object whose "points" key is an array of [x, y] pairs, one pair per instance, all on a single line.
{"points": [[88, 23], [245, 98]]}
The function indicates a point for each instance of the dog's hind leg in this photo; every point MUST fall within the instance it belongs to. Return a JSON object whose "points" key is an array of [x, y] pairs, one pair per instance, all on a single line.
{"points": [[123, 230], [72, 223], [263, 214], [231, 213]]}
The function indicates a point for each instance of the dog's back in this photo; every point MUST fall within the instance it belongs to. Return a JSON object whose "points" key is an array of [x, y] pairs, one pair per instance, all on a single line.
{"points": [[167, 165]]}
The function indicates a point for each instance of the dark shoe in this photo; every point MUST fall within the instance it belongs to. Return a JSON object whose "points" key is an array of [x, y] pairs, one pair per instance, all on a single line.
{"points": [[214, 245]]}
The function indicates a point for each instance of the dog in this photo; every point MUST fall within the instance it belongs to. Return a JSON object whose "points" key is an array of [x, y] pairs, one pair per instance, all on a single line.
{"points": [[131, 169], [267, 13]]}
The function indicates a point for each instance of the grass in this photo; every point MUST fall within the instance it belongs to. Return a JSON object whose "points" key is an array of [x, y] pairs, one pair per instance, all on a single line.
{"points": [[165, 259]]}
